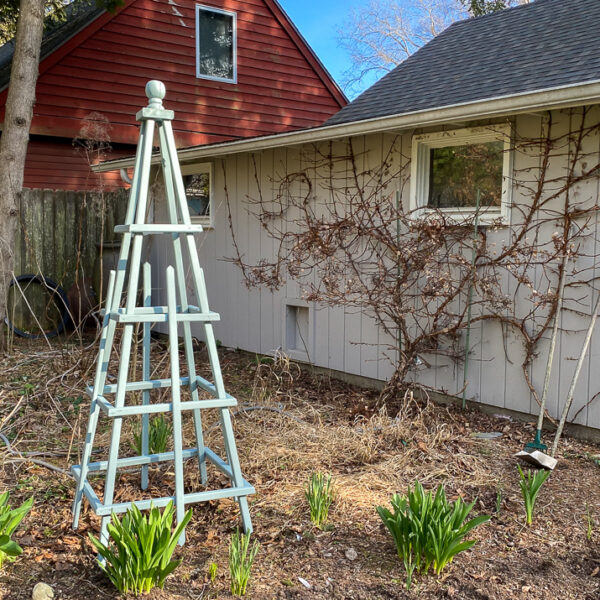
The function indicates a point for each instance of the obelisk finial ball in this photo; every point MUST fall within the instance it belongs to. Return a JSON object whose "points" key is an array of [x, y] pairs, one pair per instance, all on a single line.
{"points": [[156, 90]]}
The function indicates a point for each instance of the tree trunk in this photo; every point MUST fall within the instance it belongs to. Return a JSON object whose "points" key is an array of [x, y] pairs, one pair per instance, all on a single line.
{"points": [[15, 135]]}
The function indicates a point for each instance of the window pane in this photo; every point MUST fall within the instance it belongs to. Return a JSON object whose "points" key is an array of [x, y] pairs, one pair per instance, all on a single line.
{"points": [[216, 44], [457, 172], [197, 191]]}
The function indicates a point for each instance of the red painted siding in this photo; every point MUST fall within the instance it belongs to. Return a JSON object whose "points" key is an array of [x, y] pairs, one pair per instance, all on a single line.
{"points": [[56, 164], [106, 66]]}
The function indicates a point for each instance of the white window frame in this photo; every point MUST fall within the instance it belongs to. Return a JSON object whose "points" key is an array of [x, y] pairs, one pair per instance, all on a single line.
{"points": [[202, 7], [420, 171], [197, 169]]}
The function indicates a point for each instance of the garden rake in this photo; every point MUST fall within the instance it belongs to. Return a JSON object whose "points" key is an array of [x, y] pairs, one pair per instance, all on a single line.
{"points": [[534, 452]]}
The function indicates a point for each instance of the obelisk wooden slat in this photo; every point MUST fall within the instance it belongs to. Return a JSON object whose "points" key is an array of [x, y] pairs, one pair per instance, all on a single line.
{"points": [[156, 117]]}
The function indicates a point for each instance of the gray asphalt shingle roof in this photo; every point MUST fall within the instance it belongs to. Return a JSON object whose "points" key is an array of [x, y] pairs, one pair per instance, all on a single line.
{"points": [[78, 14], [546, 44]]}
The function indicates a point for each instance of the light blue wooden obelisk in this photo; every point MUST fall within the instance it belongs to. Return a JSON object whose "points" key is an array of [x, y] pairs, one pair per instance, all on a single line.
{"points": [[181, 231]]}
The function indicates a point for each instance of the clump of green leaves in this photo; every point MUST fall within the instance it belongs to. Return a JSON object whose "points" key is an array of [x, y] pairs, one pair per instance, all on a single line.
{"points": [[319, 495], [428, 530], [530, 488], [159, 433], [498, 501], [138, 557], [212, 571], [241, 557], [10, 519]]}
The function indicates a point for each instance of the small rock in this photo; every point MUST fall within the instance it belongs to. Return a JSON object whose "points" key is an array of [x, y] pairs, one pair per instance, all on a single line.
{"points": [[42, 591], [304, 583], [351, 554]]}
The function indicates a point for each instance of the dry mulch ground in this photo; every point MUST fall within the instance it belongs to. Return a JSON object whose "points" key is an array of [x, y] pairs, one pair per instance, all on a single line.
{"points": [[306, 423]]}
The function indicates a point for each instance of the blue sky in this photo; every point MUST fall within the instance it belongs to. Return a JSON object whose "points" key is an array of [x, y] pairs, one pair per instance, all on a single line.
{"points": [[319, 21]]}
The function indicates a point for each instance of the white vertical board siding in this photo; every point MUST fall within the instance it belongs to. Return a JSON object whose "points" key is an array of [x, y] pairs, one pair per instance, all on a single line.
{"points": [[223, 280], [160, 255], [247, 189], [560, 125], [583, 195], [372, 156], [336, 316], [395, 153], [527, 162], [236, 170], [261, 174], [313, 157], [492, 368], [278, 295], [352, 316], [321, 314], [292, 162], [574, 319], [593, 411], [347, 340]]}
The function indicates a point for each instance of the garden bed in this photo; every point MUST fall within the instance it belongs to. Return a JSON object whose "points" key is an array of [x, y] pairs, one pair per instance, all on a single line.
{"points": [[305, 423]]}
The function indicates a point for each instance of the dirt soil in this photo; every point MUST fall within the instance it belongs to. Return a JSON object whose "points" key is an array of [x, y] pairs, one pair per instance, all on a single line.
{"points": [[304, 423]]}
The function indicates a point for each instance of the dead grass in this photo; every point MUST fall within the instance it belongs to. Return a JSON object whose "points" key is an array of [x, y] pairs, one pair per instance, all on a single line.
{"points": [[290, 424]]}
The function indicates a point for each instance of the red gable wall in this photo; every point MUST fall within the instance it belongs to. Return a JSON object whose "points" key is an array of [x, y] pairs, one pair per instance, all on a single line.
{"points": [[105, 67], [58, 164]]}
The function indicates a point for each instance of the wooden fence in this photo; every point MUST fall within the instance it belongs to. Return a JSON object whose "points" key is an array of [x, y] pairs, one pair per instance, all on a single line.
{"points": [[59, 238], [60, 232]]}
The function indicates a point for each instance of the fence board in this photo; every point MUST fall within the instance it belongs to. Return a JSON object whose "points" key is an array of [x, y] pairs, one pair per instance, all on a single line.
{"points": [[58, 235]]}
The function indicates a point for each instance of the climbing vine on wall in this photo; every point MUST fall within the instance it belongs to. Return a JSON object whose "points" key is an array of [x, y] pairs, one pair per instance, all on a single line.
{"points": [[341, 232]]}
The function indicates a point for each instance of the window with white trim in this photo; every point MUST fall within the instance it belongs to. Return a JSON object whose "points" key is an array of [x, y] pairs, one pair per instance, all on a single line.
{"points": [[197, 181], [216, 41], [450, 169]]}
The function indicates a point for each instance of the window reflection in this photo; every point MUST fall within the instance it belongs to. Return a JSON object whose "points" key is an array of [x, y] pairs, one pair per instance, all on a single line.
{"points": [[458, 172], [215, 44]]}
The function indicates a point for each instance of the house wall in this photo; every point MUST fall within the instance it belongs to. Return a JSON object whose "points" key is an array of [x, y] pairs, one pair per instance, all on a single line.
{"points": [[104, 68], [55, 164], [350, 341]]}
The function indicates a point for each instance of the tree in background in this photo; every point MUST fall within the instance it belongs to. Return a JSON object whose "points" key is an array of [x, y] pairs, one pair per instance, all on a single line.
{"points": [[477, 8], [382, 34], [15, 134], [9, 14], [28, 15]]}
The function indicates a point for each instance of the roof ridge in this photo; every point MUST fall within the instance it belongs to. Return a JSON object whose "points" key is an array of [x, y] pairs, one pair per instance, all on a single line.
{"points": [[541, 45]]}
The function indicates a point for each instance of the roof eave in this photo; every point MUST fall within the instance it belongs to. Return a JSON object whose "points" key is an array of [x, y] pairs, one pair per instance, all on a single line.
{"points": [[76, 31], [546, 99]]}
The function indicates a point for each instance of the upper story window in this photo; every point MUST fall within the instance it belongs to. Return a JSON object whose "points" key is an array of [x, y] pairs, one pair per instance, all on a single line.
{"points": [[197, 180], [451, 168], [216, 38]]}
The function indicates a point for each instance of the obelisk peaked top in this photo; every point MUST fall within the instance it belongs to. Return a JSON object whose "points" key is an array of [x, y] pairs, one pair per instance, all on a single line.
{"points": [[156, 91]]}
